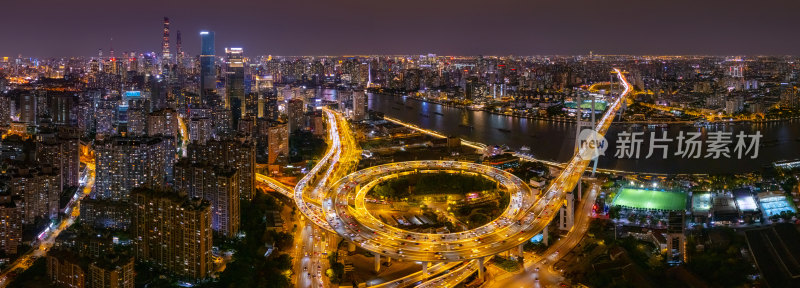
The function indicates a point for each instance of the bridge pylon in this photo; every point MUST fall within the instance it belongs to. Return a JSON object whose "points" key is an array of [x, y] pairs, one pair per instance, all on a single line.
{"points": [[567, 213]]}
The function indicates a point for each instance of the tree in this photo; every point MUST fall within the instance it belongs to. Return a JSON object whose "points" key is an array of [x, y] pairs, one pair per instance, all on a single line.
{"points": [[656, 262], [336, 271], [478, 219], [250, 268], [613, 212], [384, 190]]}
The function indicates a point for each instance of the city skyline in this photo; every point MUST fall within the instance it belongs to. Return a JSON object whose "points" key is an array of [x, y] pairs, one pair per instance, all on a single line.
{"points": [[416, 27], [318, 144]]}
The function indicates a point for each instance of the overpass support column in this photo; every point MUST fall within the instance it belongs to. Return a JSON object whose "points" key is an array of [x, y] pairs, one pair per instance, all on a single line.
{"points": [[351, 247], [425, 268], [388, 260], [377, 262], [567, 213], [580, 186], [521, 250], [546, 235], [570, 209], [480, 268]]}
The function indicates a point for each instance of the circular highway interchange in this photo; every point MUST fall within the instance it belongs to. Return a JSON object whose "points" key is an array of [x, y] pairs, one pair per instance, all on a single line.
{"points": [[345, 211]]}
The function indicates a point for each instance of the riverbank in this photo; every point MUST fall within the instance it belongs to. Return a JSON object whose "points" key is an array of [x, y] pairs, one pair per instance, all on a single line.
{"points": [[572, 119], [553, 141]]}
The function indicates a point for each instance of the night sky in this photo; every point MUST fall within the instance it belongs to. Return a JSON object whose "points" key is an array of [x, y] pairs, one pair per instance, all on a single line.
{"points": [[52, 28]]}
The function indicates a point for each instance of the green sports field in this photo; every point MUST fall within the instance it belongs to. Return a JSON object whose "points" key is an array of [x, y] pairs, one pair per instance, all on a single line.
{"points": [[587, 104], [650, 199]]}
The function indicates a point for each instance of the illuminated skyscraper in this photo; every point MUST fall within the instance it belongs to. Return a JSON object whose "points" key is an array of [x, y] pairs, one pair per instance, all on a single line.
{"points": [[200, 130], [219, 185], [112, 271], [271, 105], [178, 50], [165, 56], [240, 154], [296, 112], [317, 123], [158, 93], [267, 98], [104, 214], [127, 162], [5, 111], [62, 153], [39, 189], [104, 116], [359, 105], [234, 84], [278, 142], [172, 231], [136, 117], [208, 75], [221, 119], [163, 123], [27, 108], [61, 107], [11, 210], [789, 97], [65, 269]]}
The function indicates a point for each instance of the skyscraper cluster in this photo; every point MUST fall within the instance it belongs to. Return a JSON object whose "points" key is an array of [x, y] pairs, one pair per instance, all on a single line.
{"points": [[171, 145]]}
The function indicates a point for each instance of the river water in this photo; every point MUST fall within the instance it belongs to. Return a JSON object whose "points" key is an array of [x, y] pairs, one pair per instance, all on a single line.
{"points": [[555, 141]]}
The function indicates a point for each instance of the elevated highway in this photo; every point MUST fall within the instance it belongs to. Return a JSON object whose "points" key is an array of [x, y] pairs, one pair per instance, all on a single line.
{"points": [[343, 210], [525, 216]]}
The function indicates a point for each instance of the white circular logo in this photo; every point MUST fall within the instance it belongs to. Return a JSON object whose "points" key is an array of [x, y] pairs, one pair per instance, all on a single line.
{"points": [[591, 144]]}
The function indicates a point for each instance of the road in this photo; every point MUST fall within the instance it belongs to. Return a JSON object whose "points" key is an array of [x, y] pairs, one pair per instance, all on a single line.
{"points": [[345, 209], [498, 236], [315, 241], [418, 277], [546, 207], [354, 223], [454, 277], [310, 255], [539, 268], [341, 157]]}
